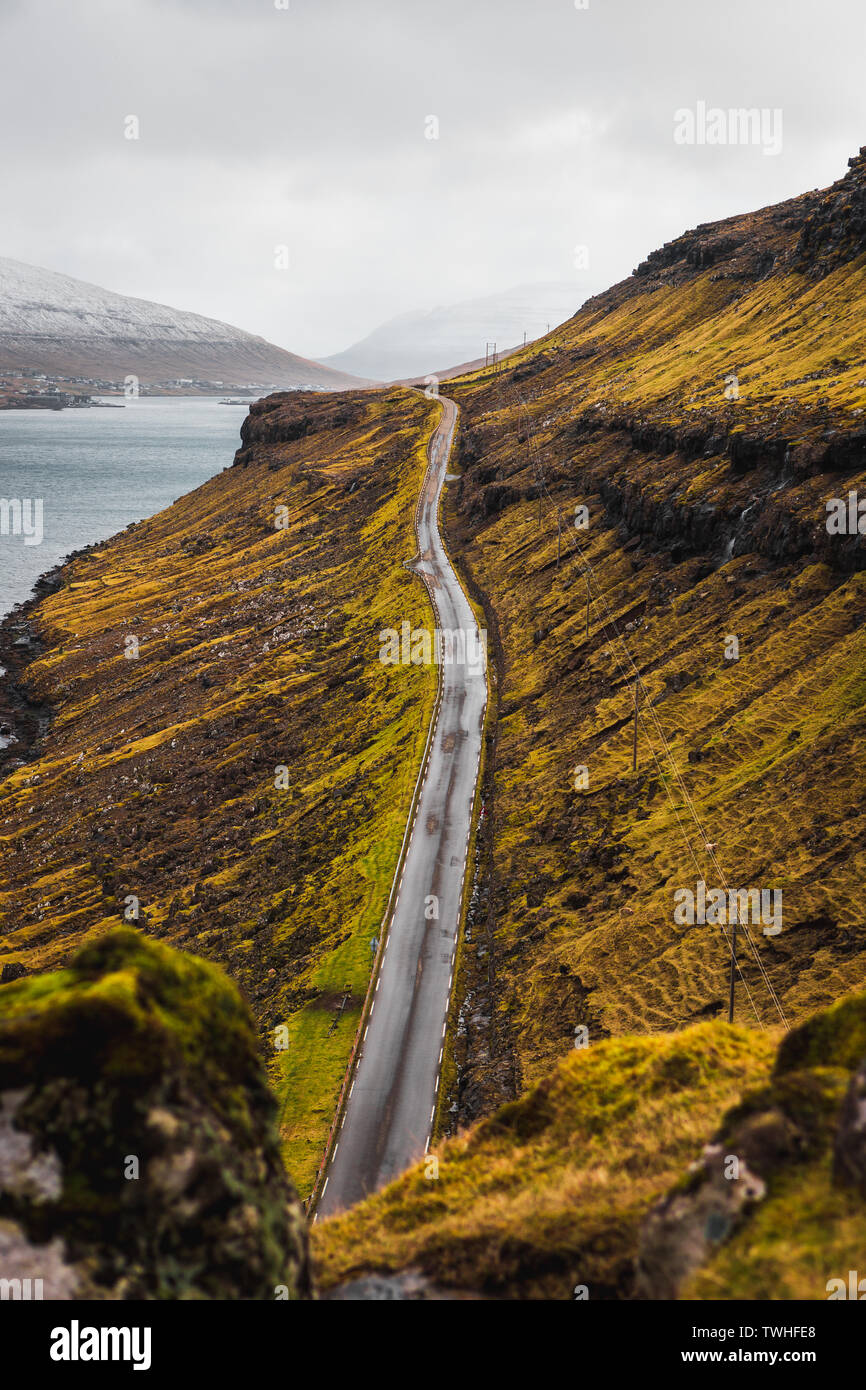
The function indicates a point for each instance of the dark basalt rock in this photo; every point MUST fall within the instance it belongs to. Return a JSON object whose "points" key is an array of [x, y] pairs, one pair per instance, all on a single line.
{"points": [[835, 230], [289, 415]]}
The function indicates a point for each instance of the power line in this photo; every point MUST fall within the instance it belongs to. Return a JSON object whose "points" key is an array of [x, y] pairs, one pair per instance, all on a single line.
{"points": [[709, 848]]}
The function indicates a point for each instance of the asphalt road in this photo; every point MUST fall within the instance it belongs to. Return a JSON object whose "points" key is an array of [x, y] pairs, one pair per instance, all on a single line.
{"points": [[389, 1113]]}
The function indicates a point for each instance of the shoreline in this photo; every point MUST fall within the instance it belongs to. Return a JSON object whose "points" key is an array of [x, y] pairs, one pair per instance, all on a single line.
{"points": [[24, 722], [20, 646]]}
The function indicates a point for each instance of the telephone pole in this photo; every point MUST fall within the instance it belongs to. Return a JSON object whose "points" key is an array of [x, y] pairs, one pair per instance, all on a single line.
{"points": [[733, 967]]}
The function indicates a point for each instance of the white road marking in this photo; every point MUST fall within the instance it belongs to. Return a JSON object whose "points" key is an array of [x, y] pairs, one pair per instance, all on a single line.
{"points": [[430, 787]]}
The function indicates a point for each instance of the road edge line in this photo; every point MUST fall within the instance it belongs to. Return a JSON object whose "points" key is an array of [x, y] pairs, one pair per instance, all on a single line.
{"points": [[312, 1199]]}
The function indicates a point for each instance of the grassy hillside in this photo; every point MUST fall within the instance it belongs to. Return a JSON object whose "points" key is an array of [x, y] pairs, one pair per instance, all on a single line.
{"points": [[593, 1184], [257, 650], [244, 775], [549, 1192], [703, 412], [706, 522]]}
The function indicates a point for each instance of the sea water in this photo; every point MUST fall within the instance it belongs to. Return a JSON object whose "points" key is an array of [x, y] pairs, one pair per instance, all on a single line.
{"points": [[88, 473]]}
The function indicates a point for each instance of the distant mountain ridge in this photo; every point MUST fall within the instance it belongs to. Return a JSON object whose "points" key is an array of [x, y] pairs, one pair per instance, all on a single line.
{"points": [[434, 340], [56, 324]]}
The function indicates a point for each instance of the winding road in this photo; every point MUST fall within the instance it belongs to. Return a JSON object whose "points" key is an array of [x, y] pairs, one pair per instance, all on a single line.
{"points": [[388, 1116]]}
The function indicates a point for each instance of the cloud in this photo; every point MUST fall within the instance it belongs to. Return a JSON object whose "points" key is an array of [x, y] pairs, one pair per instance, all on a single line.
{"points": [[306, 127]]}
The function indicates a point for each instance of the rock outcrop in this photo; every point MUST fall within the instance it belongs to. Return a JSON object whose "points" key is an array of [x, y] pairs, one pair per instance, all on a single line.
{"points": [[138, 1148], [780, 1133]]}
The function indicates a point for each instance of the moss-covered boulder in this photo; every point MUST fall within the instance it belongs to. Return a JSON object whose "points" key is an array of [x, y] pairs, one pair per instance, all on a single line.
{"points": [[139, 1154], [773, 1207], [776, 1130]]}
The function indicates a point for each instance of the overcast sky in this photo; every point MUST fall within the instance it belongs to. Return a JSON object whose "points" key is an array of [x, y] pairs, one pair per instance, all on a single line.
{"points": [[306, 127]]}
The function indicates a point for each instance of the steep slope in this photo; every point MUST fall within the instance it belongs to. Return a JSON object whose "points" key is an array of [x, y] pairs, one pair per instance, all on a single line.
{"points": [[424, 341], [706, 413], [55, 324], [706, 523], [227, 763]]}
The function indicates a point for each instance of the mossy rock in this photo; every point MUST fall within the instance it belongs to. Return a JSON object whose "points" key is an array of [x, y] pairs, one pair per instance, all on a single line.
{"points": [[834, 1038], [137, 1129], [714, 1237]]}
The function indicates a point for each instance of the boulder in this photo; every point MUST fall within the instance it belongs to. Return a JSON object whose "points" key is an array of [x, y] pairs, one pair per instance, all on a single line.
{"points": [[139, 1154]]}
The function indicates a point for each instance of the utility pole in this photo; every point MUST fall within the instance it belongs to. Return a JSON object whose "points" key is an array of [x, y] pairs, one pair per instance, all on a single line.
{"points": [[634, 748], [524, 337], [733, 967]]}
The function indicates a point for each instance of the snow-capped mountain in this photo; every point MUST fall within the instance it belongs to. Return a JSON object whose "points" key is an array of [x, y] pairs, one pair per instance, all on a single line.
{"points": [[433, 340], [56, 324]]}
